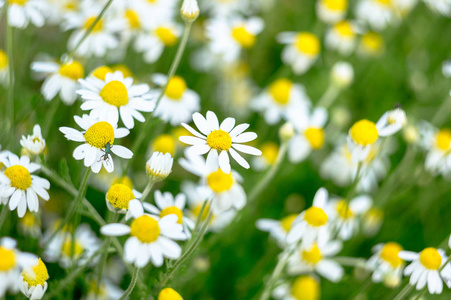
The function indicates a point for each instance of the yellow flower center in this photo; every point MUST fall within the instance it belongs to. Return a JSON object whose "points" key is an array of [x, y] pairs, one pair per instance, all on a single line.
{"points": [[430, 258], [305, 288], [373, 41], [8, 260], [119, 195], [114, 93], [307, 43], [196, 211], [19, 176], [99, 134], [312, 255], [98, 27], [18, 2], [28, 220], [315, 136], [38, 276], [345, 29], [71, 6], [339, 5], [101, 72], [73, 70], [173, 210], [315, 216], [166, 36], [164, 143], [280, 90], [343, 210], [77, 248], [364, 132], [219, 181], [145, 229], [219, 140], [443, 139], [176, 88], [133, 19], [169, 294], [270, 151], [384, 2], [243, 37], [287, 222], [3, 59], [124, 180], [389, 253]]}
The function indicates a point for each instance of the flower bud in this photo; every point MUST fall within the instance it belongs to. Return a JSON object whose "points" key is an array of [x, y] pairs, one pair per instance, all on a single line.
{"points": [[189, 10], [286, 132], [342, 74], [159, 166]]}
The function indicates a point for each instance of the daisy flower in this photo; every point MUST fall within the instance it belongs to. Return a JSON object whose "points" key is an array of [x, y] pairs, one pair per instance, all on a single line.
{"points": [[301, 50], [229, 36], [169, 294], [119, 197], [309, 134], [150, 239], [19, 186], [386, 264], [270, 151], [167, 204], [4, 68], [97, 137], [219, 8], [154, 10], [371, 44], [277, 229], [106, 290], [426, 269], [30, 225], [22, 12], [341, 37], [377, 13], [442, 7], [60, 78], [34, 280], [178, 102], [331, 11], [165, 143], [116, 95], [224, 139], [159, 166], [280, 97], [189, 10], [305, 287], [342, 74], [438, 144], [372, 221], [33, 144]]}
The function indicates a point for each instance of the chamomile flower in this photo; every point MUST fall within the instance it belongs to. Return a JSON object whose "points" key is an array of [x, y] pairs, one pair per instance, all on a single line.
{"points": [[165, 143], [301, 51], [386, 264], [159, 166], [19, 186], [97, 136], [225, 138], [23, 12], [305, 287], [377, 13], [280, 97], [169, 294], [437, 143], [30, 225], [60, 78], [277, 229], [34, 280], [442, 7], [178, 102], [309, 134], [106, 290], [33, 144], [392, 121], [425, 269], [4, 68], [371, 44], [341, 37], [220, 8], [229, 36], [154, 10], [331, 11], [119, 198], [312, 223], [342, 74], [189, 10], [270, 151], [150, 239], [372, 221]]}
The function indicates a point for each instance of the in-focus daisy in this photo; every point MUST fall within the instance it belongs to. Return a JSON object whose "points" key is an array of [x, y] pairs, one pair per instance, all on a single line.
{"points": [[115, 96], [159, 166], [305, 287], [19, 186], [341, 37], [150, 239], [386, 264], [309, 134], [331, 11], [270, 151], [371, 44], [22, 12], [229, 36], [4, 68], [59, 78], [281, 96], [34, 280], [277, 229], [33, 144], [301, 50], [224, 139], [119, 197], [377, 13], [178, 102], [97, 137]]}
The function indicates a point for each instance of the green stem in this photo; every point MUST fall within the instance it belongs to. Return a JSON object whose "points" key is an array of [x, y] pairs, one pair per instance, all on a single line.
{"points": [[10, 97], [147, 190], [404, 292], [276, 273], [329, 97], [132, 284], [442, 113], [3, 214], [49, 118]]}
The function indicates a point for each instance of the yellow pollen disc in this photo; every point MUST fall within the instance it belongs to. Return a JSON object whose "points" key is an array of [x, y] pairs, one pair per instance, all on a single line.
{"points": [[339, 5], [173, 210], [133, 19], [315, 216], [3, 59], [287, 222], [430, 258], [169, 294], [305, 288], [373, 41], [145, 229], [243, 37], [28, 220], [39, 276], [99, 134], [18, 2], [77, 248], [364, 132], [101, 72], [280, 90], [8, 260], [151, 1], [270, 151], [98, 27], [343, 210], [196, 211], [384, 2], [315, 136], [124, 180], [114, 93], [164, 143], [119, 195], [345, 29], [73, 70], [176, 88], [389, 253], [308, 43], [123, 69], [219, 181], [71, 6], [219, 140], [166, 36], [313, 255], [19, 176], [443, 139]]}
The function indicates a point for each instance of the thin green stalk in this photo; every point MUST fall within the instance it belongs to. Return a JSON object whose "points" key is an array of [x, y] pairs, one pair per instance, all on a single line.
{"points": [[442, 113], [10, 97], [404, 292], [132, 284], [351, 261], [51, 115], [329, 96], [3, 215], [147, 190], [280, 266]]}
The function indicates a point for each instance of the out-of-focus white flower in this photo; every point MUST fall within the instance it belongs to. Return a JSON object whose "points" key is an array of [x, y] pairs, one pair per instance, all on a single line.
{"points": [[386, 264], [372, 221], [277, 229], [442, 7], [404, 7], [305, 287], [371, 44], [341, 37], [270, 151], [286, 132], [446, 68], [34, 280], [159, 166], [33, 144], [4, 68], [342, 74], [230, 8], [22, 12], [437, 143], [377, 13], [106, 290], [331, 11]]}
